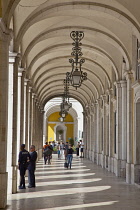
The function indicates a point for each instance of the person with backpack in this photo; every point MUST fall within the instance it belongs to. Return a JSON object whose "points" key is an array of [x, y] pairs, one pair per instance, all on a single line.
{"points": [[48, 154], [44, 149]]}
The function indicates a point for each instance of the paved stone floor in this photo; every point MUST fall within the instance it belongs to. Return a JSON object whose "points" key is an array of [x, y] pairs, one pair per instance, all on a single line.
{"points": [[85, 186]]}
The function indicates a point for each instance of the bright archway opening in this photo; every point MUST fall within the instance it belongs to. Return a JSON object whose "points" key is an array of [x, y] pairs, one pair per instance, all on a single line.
{"points": [[70, 128]]}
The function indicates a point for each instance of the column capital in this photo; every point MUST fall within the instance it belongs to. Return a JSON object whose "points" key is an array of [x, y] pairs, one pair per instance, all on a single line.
{"points": [[123, 83], [33, 95], [104, 97], [117, 84], [128, 75], [110, 92], [26, 81], [30, 89], [20, 71], [12, 57]]}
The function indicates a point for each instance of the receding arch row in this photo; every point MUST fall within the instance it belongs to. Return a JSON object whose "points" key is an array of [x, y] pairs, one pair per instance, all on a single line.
{"points": [[119, 44], [41, 92], [58, 93], [36, 87], [37, 15], [61, 57], [84, 91], [48, 98], [84, 46]]}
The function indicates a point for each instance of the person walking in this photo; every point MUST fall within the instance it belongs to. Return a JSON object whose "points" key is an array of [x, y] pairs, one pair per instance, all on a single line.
{"points": [[58, 150], [32, 166], [66, 146], [48, 154], [24, 158], [70, 156], [44, 153], [77, 149]]}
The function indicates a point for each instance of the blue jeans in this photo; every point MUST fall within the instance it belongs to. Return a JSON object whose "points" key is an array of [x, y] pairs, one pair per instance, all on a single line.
{"points": [[69, 158]]}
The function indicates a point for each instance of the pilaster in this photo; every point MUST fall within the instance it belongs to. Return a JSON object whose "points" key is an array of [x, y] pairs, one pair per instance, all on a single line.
{"points": [[129, 77], [4, 56]]}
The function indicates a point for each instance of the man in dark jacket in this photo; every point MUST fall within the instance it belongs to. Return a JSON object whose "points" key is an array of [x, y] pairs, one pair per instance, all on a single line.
{"points": [[23, 160], [32, 166]]}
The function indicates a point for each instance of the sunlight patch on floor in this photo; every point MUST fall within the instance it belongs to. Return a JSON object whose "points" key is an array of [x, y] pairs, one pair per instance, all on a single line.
{"points": [[59, 192], [67, 182], [81, 206], [64, 176], [64, 171]]}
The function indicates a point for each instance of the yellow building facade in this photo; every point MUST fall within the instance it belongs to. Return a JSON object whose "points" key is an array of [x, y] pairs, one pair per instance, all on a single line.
{"points": [[54, 126]]}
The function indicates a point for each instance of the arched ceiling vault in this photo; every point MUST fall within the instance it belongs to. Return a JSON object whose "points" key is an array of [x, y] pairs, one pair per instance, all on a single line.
{"points": [[81, 91], [41, 35], [42, 80], [74, 95]]}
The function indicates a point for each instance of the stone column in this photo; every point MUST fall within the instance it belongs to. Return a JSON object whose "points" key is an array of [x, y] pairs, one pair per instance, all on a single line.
{"points": [[129, 166], [89, 136], [95, 132], [111, 133], [118, 155], [5, 36], [33, 120], [124, 128], [85, 133], [44, 128], [99, 133], [92, 136], [15, 143], [22, 140], [26, 109], [19, 141], [12, 57], [29, 114], [136, 166], [104, 132]]}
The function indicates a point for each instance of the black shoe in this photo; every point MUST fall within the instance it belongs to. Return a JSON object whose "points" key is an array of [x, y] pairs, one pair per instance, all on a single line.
{"points": [[21, 187], [30, 186]]}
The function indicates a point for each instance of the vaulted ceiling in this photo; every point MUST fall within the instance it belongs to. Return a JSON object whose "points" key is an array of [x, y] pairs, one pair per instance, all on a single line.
{"points": [[42, 36]]}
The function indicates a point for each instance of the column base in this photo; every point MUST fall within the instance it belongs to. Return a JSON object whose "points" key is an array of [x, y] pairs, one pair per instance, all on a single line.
{"points": [[106, 161], [128, 173], [3, 190], [102, 160], [95, 157], [135, 174], [111, 164], [90, 155], [123, 168], [98, 159], [84, 153], [117, 167], [14, 179], [39, 154]]}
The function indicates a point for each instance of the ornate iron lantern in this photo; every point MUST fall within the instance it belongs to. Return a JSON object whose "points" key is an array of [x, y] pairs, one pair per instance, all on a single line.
{"points": [[76, 76]]}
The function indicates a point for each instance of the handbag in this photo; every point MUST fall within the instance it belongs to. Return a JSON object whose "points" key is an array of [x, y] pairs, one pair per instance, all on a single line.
{"points": [[65, 165]]}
